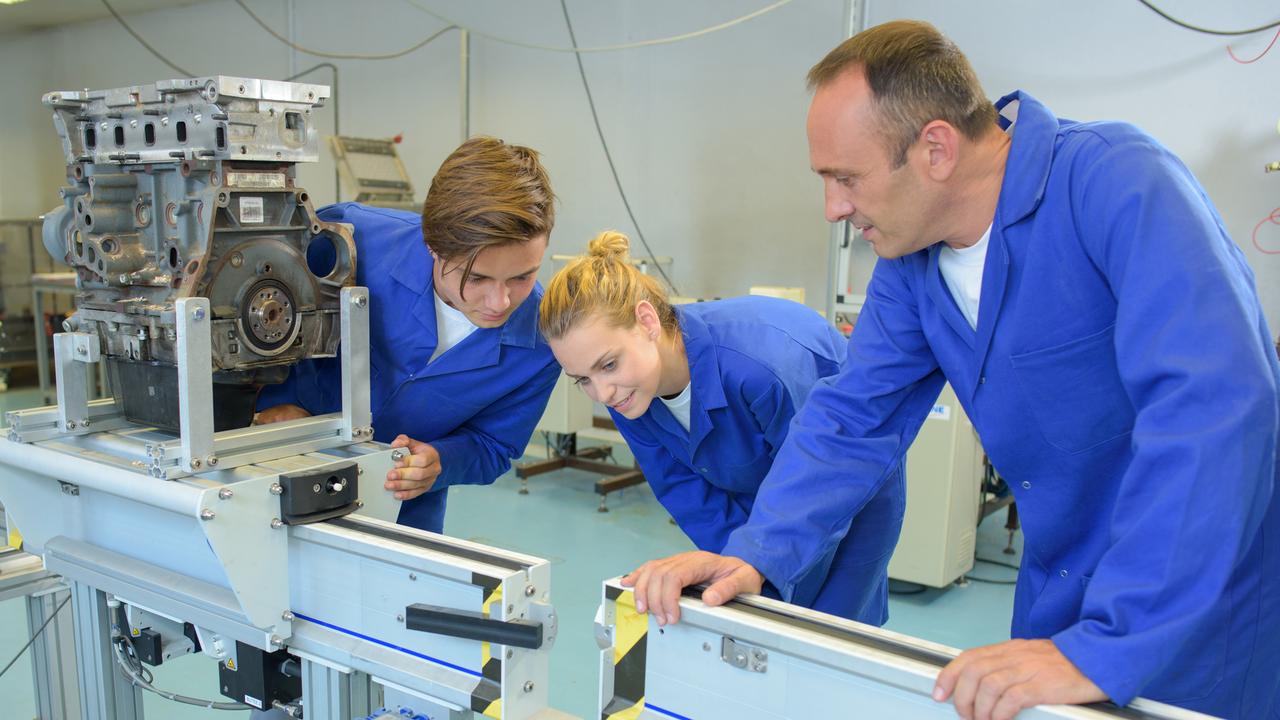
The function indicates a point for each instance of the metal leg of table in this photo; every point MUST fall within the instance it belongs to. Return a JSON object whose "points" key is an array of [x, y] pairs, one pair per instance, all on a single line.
{"points": [[105, 693], [53, 657]]}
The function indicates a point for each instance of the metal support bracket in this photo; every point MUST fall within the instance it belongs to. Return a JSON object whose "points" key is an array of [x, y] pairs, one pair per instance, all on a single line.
{"points": [[195, 381], [71, 351], [357, 415], [744, 656]]}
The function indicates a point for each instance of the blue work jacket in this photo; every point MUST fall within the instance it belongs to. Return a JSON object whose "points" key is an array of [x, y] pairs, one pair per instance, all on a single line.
{"points": [[752, 363], [476, 404], [1122, 379]]}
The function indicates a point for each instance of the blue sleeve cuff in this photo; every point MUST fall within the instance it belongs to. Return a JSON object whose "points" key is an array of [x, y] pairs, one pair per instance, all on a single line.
{"points": [[1116, 672]]}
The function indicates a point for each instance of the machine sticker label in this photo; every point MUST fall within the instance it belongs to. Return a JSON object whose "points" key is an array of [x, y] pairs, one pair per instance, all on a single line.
{"points": [[250, 180], [940, 412], [251, 700], [251, 210]]}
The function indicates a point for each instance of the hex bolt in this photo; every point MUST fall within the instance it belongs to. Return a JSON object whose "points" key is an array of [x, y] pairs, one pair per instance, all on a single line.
{"points": [[276, 641], [71, 424], [287, 616], [528, 686], [359, 503], [84, 423], [195, 463], [198, 314], [211, 460], [207, 514], [276, 523], [276, 489], [397, 454], [225, 494], [529, 590], [360, 301]]}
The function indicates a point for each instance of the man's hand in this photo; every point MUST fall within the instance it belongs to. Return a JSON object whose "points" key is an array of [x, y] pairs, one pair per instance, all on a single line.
{"points": [[658, 583], [414, 473], [280, 413], [996, 681]]}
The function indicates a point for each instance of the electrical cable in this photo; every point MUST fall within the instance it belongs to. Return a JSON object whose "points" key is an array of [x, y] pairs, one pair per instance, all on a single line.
{"points": [[1257, 57], [993, 581], [136, 36], [339, 56], [1150, 6], [141, 677], [36, 634], [604, 48], [1273, 218], [595, 118]]}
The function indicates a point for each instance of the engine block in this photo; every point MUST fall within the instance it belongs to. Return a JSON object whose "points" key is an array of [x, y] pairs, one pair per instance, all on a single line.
{"points": [[185, 188]]}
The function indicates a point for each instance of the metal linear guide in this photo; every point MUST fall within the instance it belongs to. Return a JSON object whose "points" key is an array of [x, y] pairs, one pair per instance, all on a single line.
{"points": [[761, 658]]}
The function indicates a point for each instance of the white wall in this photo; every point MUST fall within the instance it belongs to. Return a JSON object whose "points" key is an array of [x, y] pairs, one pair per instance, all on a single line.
{"points": [[708, 135]]}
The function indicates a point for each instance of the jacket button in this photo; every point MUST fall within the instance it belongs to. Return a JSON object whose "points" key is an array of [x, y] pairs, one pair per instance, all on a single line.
{"points": [[982, 380], [703, 470], [1063, 573], [1026, 484]]}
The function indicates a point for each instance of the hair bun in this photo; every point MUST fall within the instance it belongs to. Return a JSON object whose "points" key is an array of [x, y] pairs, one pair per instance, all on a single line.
{"points": [[609, 244]]}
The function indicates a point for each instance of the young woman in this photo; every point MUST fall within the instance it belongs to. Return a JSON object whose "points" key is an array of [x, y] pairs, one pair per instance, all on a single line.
{"points": [[704, 394]]}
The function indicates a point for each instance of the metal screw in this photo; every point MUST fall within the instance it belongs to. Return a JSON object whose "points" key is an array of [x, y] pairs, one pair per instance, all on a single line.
{"points": [[276, 641], [195, 463], [397, 454], [529, 590], [71, 424], [510, 653], [124, 279], [361, 301], [287, 616], [80, 350], [315, 488], [413, 576], [207, 514], [84, 423], [211, 460], [198, 314], [706, 647], [399, 618], [359, 470], [276, 489], [225, 494], [528, 686], [276, 523], [359, 503], [511, 609]]}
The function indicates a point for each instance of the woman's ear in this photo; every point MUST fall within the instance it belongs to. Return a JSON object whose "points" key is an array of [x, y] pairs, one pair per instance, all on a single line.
{"points": [[647, 319]]}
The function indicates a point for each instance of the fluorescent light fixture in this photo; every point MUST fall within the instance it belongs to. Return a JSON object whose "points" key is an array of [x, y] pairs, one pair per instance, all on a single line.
{"points": [[11, 2]]}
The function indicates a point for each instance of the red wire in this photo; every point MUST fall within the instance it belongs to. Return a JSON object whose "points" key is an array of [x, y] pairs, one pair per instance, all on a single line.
{"points": [[1259, 57], [1274, 219]]}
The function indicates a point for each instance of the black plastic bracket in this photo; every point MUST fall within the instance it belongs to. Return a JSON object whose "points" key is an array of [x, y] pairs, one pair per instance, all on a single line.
{"points": [[319, 495]]}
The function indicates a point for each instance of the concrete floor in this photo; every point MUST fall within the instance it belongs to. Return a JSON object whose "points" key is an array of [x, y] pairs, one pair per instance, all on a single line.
{"points": [[558, 521]]}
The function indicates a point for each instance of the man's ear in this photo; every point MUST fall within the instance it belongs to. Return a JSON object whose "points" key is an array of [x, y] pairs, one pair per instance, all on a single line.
{"points": [[939, 147]]}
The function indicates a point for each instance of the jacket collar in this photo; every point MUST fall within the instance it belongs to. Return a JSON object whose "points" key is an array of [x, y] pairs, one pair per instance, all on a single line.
{"points": [[1026, 173]]}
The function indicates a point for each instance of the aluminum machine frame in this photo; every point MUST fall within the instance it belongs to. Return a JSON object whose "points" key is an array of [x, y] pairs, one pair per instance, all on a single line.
{"points": [[268, 548], [761, 658]]}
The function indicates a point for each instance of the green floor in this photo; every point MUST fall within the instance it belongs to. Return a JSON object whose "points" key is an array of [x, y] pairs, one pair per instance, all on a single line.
{"points": [[558, 520]]}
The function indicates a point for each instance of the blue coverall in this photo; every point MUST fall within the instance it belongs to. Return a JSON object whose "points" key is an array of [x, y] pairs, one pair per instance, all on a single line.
{"points": [[1122, 379], [476, 404], [752, 363]]}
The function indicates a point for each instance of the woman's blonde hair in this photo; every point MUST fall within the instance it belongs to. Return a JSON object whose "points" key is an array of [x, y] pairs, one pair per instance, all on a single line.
{"points": [[602, 282]]}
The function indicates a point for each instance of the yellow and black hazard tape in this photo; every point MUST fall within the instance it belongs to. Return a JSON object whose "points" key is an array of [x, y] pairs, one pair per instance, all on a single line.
{"points": [[629, 651], [486, 698]]}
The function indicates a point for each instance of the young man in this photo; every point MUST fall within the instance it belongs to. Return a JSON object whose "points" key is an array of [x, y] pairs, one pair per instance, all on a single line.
{"points": [[1076, 287], [458, 372]]}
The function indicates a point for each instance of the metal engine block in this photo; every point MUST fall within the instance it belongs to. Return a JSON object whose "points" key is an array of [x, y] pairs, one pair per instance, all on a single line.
{"points": [[185, 188]]}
